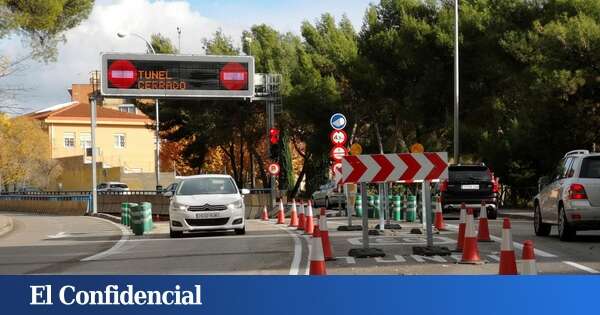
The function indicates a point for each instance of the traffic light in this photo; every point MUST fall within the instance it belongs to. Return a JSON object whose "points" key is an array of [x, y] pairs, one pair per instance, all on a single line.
{"points": [[274, 147]]}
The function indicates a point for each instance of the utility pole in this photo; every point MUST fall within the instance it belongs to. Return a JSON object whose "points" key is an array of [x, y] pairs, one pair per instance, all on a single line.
{"points": [[456, 88], [179, 39]]}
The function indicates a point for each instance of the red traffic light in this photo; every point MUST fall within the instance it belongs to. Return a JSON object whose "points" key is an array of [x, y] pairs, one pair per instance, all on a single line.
{"points": [[274, 135]]}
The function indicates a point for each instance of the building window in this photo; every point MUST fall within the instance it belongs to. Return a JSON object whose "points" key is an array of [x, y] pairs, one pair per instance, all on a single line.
{"points": [[69, 139], [119, 141], [85, 140], [127, 108]]}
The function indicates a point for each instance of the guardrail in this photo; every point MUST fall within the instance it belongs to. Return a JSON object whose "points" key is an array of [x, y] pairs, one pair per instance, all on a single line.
{"points": [[48, 204]]}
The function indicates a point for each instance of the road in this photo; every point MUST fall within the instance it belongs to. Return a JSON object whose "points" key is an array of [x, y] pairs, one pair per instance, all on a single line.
{"points": [[88, 245]]}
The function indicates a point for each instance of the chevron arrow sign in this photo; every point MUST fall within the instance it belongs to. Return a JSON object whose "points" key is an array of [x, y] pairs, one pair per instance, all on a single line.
{"points": [[382, 168]]}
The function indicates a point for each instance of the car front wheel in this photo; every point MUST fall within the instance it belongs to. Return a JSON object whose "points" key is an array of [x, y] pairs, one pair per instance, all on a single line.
{"points": [[241, 231], [540, 228], [565, 231], [175, 234]]}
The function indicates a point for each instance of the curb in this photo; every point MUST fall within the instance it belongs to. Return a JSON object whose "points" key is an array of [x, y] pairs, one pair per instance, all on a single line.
{"points": [[8, 226], [516, 216], [108, 217]]}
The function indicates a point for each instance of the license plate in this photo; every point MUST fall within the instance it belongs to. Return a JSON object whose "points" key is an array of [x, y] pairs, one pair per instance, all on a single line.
{"points": [[470, 187], [207, 215]]}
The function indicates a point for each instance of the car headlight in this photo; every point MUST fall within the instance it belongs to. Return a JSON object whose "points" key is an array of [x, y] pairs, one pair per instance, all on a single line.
{"points": [[235, 204], [178, 206]]}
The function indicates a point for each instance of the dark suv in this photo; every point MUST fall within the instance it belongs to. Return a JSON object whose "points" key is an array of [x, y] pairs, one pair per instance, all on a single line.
{"points": [[470, 184]]}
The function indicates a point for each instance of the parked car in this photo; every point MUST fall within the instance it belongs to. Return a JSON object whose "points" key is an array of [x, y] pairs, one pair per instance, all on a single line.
{"points": [[469, 184], [570, 197], [170, 190], [327, 196], [112, 186], [207, 202]]}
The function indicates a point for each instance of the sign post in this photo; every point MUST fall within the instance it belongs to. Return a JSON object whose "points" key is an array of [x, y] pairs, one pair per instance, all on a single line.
{"points": [[385, 168]]}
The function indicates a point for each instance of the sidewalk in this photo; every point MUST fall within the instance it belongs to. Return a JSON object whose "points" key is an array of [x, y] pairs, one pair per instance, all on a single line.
{"points": [[6, 225]]}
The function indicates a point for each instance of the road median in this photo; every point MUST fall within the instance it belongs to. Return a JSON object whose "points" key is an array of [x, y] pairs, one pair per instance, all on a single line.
{"points": [[6, 225]]}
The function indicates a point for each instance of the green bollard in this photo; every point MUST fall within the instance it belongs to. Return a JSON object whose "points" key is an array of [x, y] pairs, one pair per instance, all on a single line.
{"points": [[397, 205], [376, 208], [125, 215], [137, 220], [130, 207], [371, 206], [411, 209], [358, 206], [147, 212]]}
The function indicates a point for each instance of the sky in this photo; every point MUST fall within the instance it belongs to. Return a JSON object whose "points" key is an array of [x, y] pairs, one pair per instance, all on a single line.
{"points": [[46, 84]]}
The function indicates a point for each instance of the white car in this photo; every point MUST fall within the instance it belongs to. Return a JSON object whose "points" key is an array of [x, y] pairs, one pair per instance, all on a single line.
{"points": [[569, 198], [207, 203]]}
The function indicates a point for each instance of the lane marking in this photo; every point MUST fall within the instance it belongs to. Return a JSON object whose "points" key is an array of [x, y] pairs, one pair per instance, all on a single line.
{"points": [[581, 267], [397, 259], [517, 245], [113, 250], [422, 259], [297, 258], [58, 235]]}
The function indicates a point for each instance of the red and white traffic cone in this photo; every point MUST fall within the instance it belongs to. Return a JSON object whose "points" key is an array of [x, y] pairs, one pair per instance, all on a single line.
{"points": [[325, 236], [470, 251], [294, 215], [439, 216], [316, 256], [483, 234], [461, 228], [508, 262], [309, 224], [265, 214], [281, 213], [528, 264], [301, 216]]}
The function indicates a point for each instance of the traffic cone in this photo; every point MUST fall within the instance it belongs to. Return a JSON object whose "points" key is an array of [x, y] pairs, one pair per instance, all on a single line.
{"points": [[281, 213], [508, 262], [325, 236], [528, 264], [470, 251], [439, 216], [309, 224], [293, 215], [461, 228], [316, 256], [483, 234], [265, 214], [301, 216]]}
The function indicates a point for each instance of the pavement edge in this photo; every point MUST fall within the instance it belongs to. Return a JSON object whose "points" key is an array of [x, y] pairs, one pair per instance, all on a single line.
{"points": [[6, 225]]}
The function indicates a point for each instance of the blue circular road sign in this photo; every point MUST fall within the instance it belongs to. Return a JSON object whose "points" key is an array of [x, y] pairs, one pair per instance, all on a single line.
{"points": [[338, 121]]}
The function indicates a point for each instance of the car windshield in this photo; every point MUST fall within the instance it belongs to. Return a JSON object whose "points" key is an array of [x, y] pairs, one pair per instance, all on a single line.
{"points": [[207, 186], [590, 168], [122, 186], [469, 174]]}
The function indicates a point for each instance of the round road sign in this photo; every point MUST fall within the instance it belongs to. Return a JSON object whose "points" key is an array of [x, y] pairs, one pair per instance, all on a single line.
{"points": [[274, 169], [356, 149], [417, 148], [122, 74], [234, 76], [338, 152], [338, 121], [338, 137]]}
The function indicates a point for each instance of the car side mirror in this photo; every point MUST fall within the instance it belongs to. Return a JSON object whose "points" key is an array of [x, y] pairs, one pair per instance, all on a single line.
{"points": [[168, 194], [245, 191]]}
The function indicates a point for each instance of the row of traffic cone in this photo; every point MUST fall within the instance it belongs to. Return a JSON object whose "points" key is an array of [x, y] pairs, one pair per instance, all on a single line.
{"points": [[467, 244], [302, 219]]}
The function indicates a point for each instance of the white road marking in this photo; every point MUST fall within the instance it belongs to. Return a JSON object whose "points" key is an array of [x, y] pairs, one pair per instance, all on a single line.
{"points": [[397, 259], [113, 250], [494, 257], [295, 266], [349, 260], [58, 235], [422, 259], [581, 267]]}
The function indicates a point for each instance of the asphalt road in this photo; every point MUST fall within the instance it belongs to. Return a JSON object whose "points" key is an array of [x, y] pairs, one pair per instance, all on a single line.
{"points": [[87, 245]]}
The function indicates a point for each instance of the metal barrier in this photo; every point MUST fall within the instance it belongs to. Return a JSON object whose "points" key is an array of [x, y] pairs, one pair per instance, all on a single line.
{"points": [[50, 204]]}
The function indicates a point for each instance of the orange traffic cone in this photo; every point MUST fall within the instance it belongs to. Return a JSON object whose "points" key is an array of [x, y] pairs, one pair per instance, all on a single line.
{"points": [[316, 256], [301, 216], [265, 214], [461, 228], [309, 224], [483, 234], [508, 262], [470, 251], [528, 264], [439, 216], [325, 235], [293, 215], [281, 213]]}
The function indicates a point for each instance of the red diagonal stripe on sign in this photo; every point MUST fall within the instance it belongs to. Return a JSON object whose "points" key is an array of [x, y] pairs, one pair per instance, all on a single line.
{"points": [[386, 168], [438, 166], [412, 166], [358, 169]]}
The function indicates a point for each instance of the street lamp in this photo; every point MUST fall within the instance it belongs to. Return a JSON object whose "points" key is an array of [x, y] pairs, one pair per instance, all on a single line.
{"points": [[157, 136]]}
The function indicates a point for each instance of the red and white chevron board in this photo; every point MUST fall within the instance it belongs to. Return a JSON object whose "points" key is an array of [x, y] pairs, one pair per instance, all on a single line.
{"points": [[381, 168]]}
